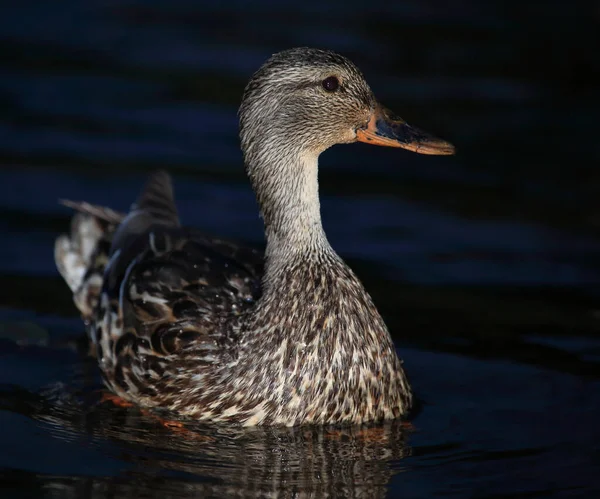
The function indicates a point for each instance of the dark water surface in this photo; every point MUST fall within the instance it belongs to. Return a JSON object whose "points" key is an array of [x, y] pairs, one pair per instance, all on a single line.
{"points": [[485, 265]]}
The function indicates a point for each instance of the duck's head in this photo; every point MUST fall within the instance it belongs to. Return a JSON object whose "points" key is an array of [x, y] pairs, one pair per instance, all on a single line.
{"points": [[309, 99]]}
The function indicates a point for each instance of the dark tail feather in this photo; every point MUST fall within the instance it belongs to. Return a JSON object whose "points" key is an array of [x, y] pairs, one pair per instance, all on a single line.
{"points": [[98, 232], [157, 199]]}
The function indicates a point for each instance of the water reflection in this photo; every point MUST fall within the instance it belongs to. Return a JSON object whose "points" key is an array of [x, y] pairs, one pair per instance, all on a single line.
{"points": [[213, 461]]}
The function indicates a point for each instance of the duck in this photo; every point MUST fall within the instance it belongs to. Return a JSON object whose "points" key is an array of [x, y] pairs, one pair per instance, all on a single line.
{"points": [[221, 333]]}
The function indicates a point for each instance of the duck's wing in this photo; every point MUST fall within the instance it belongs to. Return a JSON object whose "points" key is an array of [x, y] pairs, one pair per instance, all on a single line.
{"points": [[164, 288]]}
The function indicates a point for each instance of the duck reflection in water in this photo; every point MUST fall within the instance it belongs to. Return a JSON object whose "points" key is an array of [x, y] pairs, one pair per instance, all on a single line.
{"points": [[218, 461]]}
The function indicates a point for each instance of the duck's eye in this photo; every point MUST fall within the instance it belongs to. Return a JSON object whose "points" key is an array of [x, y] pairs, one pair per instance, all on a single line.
{"points": [[331, 83]]}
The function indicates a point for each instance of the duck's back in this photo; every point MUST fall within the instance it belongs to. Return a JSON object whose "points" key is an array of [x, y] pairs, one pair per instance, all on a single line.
{"points": [[150, 289]]}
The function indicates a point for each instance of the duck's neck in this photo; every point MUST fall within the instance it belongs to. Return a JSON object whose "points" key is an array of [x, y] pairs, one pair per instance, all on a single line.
{"points": [[285, 180]]}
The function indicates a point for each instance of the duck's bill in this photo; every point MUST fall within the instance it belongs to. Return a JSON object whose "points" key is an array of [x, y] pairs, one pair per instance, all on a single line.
{"points": [[386, 129]]}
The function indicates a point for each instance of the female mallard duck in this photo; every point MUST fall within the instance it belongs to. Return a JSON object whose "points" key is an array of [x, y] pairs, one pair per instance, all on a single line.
{"points": [[208, 329]]}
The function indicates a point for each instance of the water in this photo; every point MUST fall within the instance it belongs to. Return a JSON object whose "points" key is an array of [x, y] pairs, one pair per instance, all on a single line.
{"points": [[485, 265]]}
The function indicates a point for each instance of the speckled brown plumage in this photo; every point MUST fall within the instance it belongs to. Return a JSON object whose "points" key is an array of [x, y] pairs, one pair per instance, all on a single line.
{"points": [[218, 332]]}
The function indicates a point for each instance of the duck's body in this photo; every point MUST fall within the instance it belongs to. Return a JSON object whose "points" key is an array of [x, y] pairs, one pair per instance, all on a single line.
{"points": [[213, 331]]}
